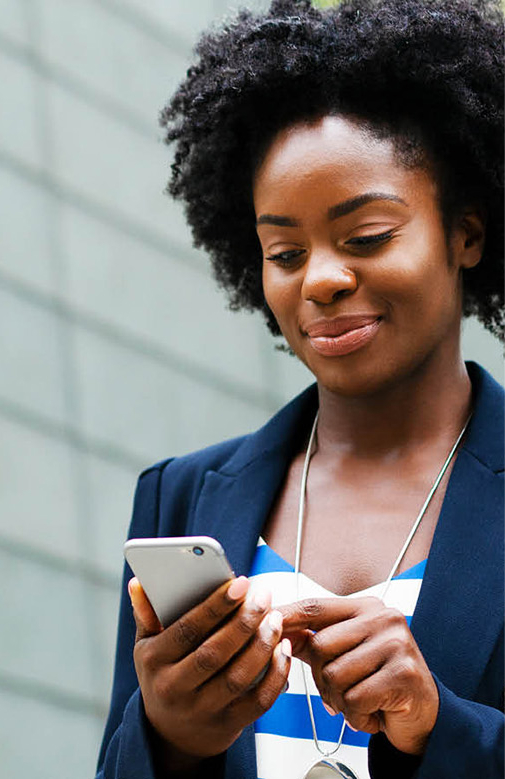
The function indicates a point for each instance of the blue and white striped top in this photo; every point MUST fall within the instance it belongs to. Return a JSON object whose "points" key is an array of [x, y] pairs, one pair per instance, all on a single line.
{"points": [[284, 745]]}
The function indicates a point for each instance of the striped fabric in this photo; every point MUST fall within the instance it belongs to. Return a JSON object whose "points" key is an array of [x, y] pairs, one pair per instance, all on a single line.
{"points": [[284, 744]]}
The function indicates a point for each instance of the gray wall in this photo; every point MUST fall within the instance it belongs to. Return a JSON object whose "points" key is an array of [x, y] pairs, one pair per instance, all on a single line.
{"points": [[116, 348]]}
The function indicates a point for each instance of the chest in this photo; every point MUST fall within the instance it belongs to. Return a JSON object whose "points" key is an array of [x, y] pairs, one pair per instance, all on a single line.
{"points": [[354, 527]]}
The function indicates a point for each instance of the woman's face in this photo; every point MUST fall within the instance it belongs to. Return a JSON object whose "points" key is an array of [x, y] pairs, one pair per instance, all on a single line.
{"points": [[357, 268]]}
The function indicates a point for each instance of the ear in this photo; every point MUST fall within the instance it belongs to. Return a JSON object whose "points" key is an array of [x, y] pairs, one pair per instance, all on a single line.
{"points": [[468, 238]]}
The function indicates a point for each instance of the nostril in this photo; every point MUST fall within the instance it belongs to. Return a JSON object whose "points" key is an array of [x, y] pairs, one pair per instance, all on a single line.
{"points": [[340, 293], [326, 287]]}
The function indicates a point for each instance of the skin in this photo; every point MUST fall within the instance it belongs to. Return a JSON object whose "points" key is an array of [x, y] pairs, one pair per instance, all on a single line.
{"points": [[389, 410], [389, 413], [197, 675]]}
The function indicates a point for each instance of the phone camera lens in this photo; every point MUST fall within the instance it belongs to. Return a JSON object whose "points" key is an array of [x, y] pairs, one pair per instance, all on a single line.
{"points": [[198, 550]]}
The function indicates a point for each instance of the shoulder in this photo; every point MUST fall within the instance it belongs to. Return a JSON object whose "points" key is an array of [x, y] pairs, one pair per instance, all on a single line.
{"points": [[237, 452], [171, 487], [186, 468]]}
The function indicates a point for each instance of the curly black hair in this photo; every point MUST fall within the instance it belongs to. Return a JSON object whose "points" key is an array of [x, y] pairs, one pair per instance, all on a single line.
{"points": [[427, 73]]}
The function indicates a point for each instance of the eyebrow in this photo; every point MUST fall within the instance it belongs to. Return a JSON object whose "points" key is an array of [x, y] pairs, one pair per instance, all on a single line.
{"points": [[347, 206], [278, 221], [341, 209]]}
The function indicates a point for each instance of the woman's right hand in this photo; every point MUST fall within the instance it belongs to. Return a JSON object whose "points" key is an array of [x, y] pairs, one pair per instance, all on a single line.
{"points": [[197, 676]]}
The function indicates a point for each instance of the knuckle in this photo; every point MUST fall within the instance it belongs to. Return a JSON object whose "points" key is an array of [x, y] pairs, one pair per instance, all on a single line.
{"points": [[396, 617], [212, 611], [328, 676], [317, 643], [186, 632], [351, 700], [312, 607], [338, 675], [235, 683], [405, 670], [265, 698], [246, 623], [263, 645], [395, 644], [207, 659], [146, 655]]}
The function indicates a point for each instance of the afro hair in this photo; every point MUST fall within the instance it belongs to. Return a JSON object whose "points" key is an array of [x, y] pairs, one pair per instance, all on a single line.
{"points": [[427, 73]]}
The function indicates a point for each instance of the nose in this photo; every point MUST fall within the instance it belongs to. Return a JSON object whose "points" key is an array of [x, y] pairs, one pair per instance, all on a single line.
{"points": [[327, 277]]}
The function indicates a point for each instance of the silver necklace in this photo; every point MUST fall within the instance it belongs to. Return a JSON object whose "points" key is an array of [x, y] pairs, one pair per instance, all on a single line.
{"points": [[328, 767]]}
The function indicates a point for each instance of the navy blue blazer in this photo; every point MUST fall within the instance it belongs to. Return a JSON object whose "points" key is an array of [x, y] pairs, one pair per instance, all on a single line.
{"points": [[227, 491]]}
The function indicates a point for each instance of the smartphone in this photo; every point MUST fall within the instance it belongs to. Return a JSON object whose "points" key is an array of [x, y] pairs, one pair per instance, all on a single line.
{"points": [[177, 573]]}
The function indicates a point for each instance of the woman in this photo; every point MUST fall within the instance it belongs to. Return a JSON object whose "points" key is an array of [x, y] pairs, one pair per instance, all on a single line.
{"points": [[344, 171]]}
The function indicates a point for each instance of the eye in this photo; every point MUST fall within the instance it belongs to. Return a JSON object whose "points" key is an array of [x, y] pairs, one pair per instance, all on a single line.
{"points": [[366, 241], [286, 258]]}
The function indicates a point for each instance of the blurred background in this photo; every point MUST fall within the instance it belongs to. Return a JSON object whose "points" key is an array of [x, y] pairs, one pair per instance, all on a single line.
{"points": [[116, 348]]}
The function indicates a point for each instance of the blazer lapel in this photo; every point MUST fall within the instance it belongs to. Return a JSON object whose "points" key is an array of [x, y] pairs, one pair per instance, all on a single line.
{"points": [[462, 592], [233, 506], [236, 499]]}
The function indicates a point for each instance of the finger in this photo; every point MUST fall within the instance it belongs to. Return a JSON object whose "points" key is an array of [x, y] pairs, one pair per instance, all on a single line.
{"points": [[185, 634], [146, 620], [363, 703], [256, 702], [241, 674], [210, 657], [299, 642], [319, 613], [338, 640], [336, 677]]}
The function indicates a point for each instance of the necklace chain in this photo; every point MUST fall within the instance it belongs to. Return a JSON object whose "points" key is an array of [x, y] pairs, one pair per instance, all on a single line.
{"points": [[382, 595]]}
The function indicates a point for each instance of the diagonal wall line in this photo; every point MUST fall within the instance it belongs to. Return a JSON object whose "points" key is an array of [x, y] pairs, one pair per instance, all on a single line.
{"points": [[263, 399], [102, 212], [49, 695]]}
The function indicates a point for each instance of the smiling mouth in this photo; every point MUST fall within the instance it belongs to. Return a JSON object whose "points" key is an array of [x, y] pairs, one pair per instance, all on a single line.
{"points": [[332, 339]]}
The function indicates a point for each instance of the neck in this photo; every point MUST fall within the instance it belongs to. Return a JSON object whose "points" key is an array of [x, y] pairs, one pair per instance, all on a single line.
{"points": [[431, 404]]}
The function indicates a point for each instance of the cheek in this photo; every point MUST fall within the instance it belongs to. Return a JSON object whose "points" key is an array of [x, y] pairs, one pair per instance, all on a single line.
{"points": [[419, 275], [279, 290]]}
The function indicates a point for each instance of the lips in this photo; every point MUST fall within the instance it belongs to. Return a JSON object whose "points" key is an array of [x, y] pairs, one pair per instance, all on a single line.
{"points": [[342, 324], [342, 335]]}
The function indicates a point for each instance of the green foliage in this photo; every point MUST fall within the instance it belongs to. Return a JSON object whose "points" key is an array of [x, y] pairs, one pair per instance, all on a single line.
{"points": [[326, 3]]}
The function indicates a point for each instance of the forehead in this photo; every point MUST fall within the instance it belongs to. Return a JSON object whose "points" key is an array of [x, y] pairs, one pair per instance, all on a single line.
{"points": [[337, 153]]}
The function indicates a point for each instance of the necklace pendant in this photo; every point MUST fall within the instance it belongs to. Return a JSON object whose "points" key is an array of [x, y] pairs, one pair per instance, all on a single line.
{"points": [[327, 768]]}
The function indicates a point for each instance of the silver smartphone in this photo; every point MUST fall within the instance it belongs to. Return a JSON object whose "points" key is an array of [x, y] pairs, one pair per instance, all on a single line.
{"points": [[177, 573]]}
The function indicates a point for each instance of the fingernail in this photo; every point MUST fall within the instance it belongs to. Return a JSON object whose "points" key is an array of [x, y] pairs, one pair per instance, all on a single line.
{"points": [[286, 647], [131, 588], [238, 588], [261, 599], [350, 726], [275, 620], [330, 711]]}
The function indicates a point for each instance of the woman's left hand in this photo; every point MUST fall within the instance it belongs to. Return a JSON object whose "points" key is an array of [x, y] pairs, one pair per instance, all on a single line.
{"points": [[367, 665]]}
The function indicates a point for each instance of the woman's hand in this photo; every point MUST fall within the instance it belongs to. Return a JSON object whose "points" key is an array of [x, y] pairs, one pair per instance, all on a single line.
{"points": [[198, 675], [367, 665]]}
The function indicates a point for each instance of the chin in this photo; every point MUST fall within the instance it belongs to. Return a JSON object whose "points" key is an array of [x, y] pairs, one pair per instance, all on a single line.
{"points": [[354, 375], [368, 377]]}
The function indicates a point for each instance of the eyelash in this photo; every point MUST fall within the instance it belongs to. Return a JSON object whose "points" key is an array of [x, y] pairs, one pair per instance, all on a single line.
{"points": [[370, 240], [288, 257], [285, 258]]}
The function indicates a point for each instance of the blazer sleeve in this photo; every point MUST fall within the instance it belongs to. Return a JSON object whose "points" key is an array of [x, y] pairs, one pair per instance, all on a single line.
{"points": [[467, 741], [125, 752], [126, 748]]}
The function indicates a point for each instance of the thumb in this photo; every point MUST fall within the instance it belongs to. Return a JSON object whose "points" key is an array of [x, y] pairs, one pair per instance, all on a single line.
{"points": [[300, 642], [146, 620]]}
